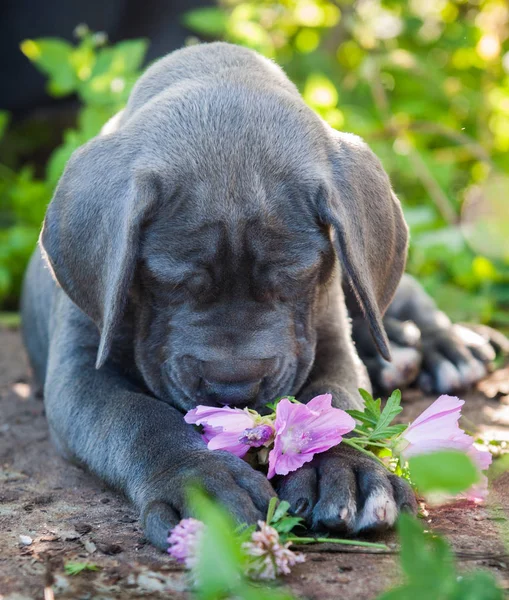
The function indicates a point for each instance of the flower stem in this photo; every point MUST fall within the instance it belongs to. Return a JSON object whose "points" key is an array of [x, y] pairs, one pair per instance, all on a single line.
{"points": [[271, 510], [351, 443], [360, 432], [369, 443], [311, 540]]}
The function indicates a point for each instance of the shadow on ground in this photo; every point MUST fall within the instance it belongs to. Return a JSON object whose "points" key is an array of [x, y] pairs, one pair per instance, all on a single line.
{"points": [[70, 516]]}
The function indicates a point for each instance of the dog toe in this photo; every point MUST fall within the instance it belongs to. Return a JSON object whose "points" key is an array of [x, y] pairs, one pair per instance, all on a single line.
{"points": [[379, 511]]}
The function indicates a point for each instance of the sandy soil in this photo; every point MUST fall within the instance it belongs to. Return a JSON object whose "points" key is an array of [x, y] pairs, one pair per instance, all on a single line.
{"points": [[70, 516]]}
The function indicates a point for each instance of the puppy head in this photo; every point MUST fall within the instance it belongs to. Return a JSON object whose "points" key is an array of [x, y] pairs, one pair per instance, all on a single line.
{"points": [[218, 218]]}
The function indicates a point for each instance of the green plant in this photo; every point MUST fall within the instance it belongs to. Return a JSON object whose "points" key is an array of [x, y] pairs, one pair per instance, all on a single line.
{"points": [[102, 77], [426, 84], [219, 573], [426, 559], [428, 565], [75, 568]]}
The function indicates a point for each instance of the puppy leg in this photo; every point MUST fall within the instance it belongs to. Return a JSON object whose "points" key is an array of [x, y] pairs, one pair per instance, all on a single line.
{"points": [[342, 489], [454, 357], [405, 366], [135, 443]]}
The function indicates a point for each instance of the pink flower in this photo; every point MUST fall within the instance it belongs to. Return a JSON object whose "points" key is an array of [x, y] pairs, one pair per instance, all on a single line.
{"points": [[478, 492], [269, 557], [303, 430], [230, 429], [437, 429], [184, 540]]}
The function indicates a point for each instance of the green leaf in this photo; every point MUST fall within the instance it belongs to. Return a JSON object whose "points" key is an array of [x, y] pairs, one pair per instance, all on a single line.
{"points": [[368, 398], [60, 156], [286, 524], [75, 568], [391, 409], [103, 62], [271, 510], [221, 562], [424, 557], [207, 21], [376, 423], [371, 406], [477, 586], [360, 416], [91, 119], [220, 570], [405, 592], [446, 471], [428, 564], [392, 431], [52, 56], [281, 511], [128, 56]]}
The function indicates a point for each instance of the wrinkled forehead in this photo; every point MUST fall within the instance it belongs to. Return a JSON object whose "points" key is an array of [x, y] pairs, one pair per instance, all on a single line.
{"points": [[237, 240]]}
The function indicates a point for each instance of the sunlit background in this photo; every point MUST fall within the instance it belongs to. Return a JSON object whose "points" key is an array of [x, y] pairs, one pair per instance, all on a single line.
{"points": [[425, 82]]}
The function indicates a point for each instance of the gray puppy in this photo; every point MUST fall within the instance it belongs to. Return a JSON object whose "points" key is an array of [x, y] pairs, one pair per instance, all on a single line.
{"points": [[206, 248]]}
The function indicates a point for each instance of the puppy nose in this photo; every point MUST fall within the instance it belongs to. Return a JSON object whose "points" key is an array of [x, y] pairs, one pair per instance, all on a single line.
{"points": [[235, 382], [232, 394]]}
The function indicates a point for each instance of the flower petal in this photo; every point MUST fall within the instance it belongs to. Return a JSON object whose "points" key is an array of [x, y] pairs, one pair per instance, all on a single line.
{"points": [[320, 403], [282, 464], [303, 430], [482, 458], [478, 492], [228, 441], [442, 406], [427, 446], [229, 419]]}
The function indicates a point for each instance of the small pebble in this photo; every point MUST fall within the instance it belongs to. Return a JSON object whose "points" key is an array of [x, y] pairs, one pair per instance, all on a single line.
{"points": [[25, 540]]}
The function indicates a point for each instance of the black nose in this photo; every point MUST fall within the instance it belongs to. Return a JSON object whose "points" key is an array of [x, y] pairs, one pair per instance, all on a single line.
{"points": [[232, 394], [236, 382]]}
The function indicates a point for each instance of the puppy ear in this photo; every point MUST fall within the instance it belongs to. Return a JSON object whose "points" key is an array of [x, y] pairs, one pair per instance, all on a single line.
{"points": [[369, 231], [90, 234]]}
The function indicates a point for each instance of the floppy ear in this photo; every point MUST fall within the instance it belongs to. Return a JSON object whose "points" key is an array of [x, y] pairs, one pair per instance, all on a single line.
{"points": [[91, 230], [370, 233]]}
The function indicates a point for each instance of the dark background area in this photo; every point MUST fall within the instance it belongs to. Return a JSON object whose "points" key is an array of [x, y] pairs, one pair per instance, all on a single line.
{"points": [[23, 87]]}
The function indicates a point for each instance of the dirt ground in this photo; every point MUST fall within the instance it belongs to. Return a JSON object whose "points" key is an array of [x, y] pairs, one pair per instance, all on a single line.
{"points": [[70, 516]]}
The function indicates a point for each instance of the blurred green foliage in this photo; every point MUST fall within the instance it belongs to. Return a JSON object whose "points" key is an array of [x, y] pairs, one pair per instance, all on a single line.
{"points": [[425, 82], [427, 560], [429, 568], [102, 77]]}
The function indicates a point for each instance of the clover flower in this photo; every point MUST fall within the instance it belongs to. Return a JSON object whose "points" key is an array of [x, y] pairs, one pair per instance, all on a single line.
{"points": [[266, 556], [271, 557], [184, 541], [303, 430]]}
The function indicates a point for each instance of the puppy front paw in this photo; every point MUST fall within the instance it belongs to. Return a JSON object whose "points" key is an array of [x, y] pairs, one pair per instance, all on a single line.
{"points": [[244, 492], [345, 491]]}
